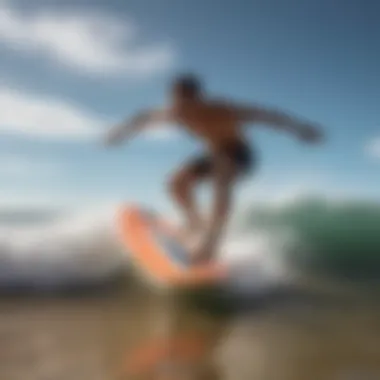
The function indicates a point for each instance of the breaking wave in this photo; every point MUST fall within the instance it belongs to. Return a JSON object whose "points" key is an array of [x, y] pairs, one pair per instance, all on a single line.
{"points": [[342, 239], [61, 251]]}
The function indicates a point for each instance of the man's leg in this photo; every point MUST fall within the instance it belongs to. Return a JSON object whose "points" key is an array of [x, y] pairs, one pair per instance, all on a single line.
{"points": [[182, 186], [224, 180]]}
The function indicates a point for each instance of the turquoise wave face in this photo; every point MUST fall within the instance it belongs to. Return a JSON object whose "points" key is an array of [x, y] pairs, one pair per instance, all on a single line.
{"points": [[339, 238]]}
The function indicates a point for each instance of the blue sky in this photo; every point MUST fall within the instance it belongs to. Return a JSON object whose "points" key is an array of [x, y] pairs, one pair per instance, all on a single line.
{"points": [[70, 70]]}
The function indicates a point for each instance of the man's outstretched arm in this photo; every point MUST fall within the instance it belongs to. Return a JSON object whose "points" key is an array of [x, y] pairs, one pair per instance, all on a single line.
{"points": [[127, 130], [279, 120]]}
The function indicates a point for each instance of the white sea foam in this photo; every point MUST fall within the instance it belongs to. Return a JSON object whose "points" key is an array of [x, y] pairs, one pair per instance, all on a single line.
{"points": [[85, 248], [77, 248]]}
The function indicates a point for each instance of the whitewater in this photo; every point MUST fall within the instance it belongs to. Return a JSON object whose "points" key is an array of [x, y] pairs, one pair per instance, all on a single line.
{"points": [[264, 246], [84, 249]]}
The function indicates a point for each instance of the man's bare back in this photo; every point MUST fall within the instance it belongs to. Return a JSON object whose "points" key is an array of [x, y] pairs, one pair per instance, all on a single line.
{"points": [[217, 124]]}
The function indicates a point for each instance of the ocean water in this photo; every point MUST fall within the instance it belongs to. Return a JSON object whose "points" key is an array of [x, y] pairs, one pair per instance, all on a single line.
{"points": [[59, 250], [266, 244], [337, 238], [100, 336], [322, 333]]}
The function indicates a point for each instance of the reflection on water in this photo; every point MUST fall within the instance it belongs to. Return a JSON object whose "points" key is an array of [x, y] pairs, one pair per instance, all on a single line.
{"points": [[94, 337]]}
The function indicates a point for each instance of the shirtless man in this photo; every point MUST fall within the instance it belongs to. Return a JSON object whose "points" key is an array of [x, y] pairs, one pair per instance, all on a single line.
{"points": [[218, 125]]}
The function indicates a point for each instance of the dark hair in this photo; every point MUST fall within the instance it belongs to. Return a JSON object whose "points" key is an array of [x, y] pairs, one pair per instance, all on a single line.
{"points": [[187, 85]]}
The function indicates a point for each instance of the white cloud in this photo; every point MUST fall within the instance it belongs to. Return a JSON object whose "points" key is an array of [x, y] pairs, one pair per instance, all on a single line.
{"points": [[292, 188], [373, 148], [93, 43], [49, 118], [161, 132], [66, 198], [24, 166], [25, 114]]}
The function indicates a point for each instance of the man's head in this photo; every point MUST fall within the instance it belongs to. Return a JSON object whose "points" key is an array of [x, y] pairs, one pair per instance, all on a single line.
{"points": [[186, 87]]}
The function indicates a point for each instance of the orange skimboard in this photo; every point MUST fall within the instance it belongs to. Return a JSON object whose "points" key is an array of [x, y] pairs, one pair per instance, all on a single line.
{"points": [[157, 251]]}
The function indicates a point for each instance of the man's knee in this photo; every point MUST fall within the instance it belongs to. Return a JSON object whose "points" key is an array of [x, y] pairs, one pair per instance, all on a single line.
{"points": [[225, 170], [180, 182]]}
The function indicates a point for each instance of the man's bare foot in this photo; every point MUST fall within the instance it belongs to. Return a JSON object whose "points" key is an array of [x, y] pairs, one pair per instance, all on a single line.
{"points": [[202, 254], [191, 233], [191, 240]]}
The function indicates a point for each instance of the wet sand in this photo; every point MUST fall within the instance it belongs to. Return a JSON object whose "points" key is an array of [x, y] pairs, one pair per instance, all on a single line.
{"points": [[94, 336]]}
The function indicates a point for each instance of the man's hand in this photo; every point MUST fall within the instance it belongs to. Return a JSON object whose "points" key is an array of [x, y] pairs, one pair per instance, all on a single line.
{"points": [[115, 136], [310, 133], [111, 138], [127, 130], [281, 121]]}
